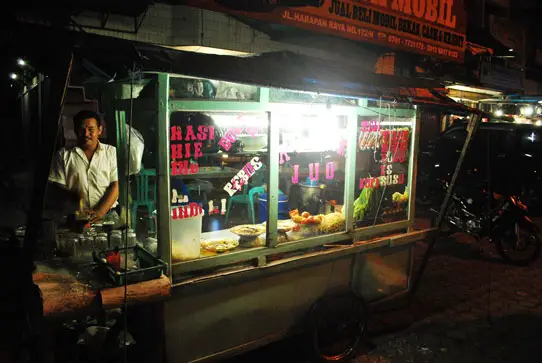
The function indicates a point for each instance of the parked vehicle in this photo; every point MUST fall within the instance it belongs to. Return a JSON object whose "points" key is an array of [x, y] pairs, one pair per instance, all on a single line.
{"points": [[507, 157], [505, 221], [497, 189]]}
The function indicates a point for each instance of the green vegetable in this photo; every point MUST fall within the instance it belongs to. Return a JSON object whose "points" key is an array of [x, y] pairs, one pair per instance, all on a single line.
{"points": [[362, 203]]}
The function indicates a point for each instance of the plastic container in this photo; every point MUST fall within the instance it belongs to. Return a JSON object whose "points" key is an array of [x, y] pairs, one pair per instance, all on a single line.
{"points": [[150, 267], [151, 245], [262, 207], [185, 235]]}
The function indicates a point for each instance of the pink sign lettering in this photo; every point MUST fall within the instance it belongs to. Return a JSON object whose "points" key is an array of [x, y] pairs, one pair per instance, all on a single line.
{"points": [[182, 151], [187, 211], [295, 174], [330, 170], [283, 157], [370, 126], [314, 171], [183, 167], [342, 146], [243, 176], [188, 148]]}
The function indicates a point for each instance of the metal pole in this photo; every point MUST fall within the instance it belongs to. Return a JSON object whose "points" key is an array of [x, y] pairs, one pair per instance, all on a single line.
{"points": [[40, 118], [162, 172], [30, 293], [59, 83], [471, 129], [272, 181], [413, 167]]}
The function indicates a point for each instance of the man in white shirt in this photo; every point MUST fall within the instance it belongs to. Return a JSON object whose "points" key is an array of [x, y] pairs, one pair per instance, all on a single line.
{"points": [[88, 169]]}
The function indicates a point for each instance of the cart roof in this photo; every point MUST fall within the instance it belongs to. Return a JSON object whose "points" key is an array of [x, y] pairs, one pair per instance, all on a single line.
{"points": [[114, 56]]}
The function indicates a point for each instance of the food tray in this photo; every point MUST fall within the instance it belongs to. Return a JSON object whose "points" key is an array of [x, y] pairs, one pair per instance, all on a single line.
{"points": [[150, 267], [248, 230]]}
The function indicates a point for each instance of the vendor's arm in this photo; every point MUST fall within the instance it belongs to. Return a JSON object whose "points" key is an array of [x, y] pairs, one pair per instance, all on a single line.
{"points": [[110, 197], [112, 193]]}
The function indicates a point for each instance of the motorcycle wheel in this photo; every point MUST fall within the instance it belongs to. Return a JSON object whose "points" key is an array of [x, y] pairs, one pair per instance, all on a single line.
{"points": [[336, 328], [520, 243]]}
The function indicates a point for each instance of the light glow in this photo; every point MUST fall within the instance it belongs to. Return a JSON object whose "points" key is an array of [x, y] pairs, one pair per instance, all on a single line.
{"points": [[211, 50], [527, 111], [459, 87]]}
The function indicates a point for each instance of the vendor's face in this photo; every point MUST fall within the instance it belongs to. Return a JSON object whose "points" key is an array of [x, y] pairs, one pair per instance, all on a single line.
{"points": [[88, 133]]}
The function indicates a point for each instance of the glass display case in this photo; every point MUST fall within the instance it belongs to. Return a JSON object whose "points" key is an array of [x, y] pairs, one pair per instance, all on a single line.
{"points": [[208, 179], [284, 169]]}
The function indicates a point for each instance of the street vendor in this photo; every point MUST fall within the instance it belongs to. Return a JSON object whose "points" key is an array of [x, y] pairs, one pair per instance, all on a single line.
{"points": [[89, 169]]}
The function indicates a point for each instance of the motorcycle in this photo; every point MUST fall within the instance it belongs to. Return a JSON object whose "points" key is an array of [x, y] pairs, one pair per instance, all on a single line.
{"points": [[507, 223]]}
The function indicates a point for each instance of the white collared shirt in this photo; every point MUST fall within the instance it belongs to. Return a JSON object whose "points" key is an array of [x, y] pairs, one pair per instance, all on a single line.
{"points": [[72, 169]]}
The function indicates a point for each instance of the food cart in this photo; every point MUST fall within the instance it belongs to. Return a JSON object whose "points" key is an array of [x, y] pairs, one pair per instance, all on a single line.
{"points": [[267, 185], [345, 167]]}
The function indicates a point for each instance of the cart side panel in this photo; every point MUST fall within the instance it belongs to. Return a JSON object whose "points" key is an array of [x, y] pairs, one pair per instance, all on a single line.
{"points": [[381, 274], [206, 324]]}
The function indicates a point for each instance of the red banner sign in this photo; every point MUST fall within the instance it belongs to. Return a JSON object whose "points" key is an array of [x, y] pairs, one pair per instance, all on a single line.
{"points": [[432, 27]]}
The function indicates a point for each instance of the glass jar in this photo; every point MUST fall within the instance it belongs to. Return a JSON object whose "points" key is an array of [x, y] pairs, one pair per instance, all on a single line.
{"points": [[72, 245], [62, 236], [89, 232], [115, 239], [132, 239], [86, 244], [98, 227], [100, 243]]}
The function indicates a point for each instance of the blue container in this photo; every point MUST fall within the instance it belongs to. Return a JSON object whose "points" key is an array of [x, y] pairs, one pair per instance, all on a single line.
{"points": [[262, 207], [311, 183]]}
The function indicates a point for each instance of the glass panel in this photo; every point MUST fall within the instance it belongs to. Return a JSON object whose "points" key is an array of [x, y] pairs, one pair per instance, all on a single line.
{"points": [[218, 181], [311, 173], [140, 164], [197, 88], [382, 166], [286, 96]]}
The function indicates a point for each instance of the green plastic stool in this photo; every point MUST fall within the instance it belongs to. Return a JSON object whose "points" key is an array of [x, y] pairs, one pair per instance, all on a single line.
{"points": [[145, 195], [247, 198], [242, 198]]}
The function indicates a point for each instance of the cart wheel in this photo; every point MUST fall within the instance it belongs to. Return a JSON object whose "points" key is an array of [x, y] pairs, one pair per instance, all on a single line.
{"points": [[336, 327]]}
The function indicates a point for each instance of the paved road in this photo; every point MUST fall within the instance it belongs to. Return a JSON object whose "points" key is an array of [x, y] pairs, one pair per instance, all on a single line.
{"points": [[470, 308]]}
